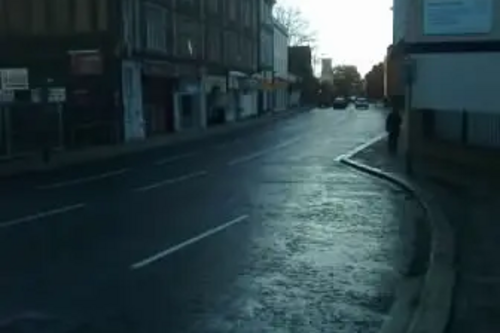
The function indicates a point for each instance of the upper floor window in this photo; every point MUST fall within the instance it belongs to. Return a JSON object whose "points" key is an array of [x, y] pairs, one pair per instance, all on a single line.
{"points": [[246, 13], [156, 27], [231, 9]]}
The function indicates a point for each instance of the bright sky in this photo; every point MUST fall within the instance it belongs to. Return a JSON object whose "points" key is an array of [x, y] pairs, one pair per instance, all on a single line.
{"points": [[353, 32]]}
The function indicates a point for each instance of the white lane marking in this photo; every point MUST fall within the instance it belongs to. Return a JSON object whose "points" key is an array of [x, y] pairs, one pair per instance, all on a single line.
{"points": [[171, 181], [191, 241], [41, 215], [83, 180], [361, 147], [175, 158], [260, 153]]}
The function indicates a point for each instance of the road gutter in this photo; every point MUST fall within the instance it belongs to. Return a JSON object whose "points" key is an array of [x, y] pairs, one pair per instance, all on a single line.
{"points": [[424, 304]]}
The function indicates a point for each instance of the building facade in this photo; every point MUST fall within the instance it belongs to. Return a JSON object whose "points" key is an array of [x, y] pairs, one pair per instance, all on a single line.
{"points": [[281, 77], [326, 71], [306, 86], [112, 71], [266, 58], [455, 62]]}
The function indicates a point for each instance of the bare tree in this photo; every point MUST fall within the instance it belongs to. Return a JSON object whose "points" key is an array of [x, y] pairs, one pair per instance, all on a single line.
{"points": [[299, 29]]}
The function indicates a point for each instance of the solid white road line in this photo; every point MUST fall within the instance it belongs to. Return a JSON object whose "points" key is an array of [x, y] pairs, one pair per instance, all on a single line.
{"points": [[361, 147], [172, 181], [191, 241], [42, 215], [175, 158], [260, 153], [83, 180]]}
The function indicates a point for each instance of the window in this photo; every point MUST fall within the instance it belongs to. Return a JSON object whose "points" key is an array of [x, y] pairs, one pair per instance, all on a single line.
{"points": [[82, 16], [38, 17], [17, 16], [214, 44], [246, 13], [156, 27], [102, 15], [214, 6], [188, 34], [232, 12], [59, 16]]}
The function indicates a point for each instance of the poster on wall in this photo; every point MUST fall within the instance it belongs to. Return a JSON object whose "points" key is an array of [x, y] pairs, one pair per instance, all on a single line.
{"points": [[457, 17]]}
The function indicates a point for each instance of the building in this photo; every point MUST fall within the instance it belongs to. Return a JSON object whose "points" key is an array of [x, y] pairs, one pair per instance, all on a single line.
{"points": [[393, 62], [453, 65], [326, 71], [266, 58], [300, 66], [241, 47], [281, 77], [105, 71]]}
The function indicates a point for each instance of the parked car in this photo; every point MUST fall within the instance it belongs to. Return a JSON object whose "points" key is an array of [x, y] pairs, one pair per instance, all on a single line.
{"points": [[362, 103], [340, 103]]}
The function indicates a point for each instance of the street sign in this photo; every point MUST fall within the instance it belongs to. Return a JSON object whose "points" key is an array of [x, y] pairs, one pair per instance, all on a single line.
{"points": [[457, 17], [14, 79]]}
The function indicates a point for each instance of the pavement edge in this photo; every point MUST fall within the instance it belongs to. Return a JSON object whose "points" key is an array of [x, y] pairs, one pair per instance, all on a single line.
{"points": [[108, 152], [422, 305]]}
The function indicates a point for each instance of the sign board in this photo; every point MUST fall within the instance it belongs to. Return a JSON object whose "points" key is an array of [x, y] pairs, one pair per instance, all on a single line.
{"points": [[14, 79], [457, 17], [57, 94]]}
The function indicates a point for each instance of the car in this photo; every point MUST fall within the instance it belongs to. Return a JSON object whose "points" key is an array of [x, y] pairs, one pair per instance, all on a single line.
{"points": [[340, 103], [361, 103]]}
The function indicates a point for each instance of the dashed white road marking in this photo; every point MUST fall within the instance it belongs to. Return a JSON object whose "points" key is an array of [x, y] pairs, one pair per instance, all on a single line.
{"points": [[83, 180], [175, 158], [41, 215], [160, 255], [172, 181], [361, 147], [263, 152]]}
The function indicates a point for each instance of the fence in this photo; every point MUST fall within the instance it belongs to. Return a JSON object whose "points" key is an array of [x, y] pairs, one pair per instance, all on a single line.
{"points": [[27, 128], [465, 127]]}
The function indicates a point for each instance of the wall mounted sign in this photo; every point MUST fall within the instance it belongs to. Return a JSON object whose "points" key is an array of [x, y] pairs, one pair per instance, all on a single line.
{"points": [[457, 17]]}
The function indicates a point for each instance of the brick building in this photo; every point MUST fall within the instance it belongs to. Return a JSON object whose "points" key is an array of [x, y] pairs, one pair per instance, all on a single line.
{"points": [[129, 68]]}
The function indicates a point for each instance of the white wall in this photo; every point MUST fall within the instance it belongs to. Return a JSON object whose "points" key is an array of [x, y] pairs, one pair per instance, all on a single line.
{"points": [[457, 81]]}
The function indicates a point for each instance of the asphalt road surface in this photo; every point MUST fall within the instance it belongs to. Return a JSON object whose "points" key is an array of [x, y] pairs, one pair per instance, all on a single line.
{"points": [[255, 231]]}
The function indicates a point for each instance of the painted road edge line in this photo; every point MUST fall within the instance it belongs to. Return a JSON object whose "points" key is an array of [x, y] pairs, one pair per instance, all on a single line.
{"points": [[175, 158], [41, 215], [171, 181], [82, 180], [161, 255], [361, 147]]}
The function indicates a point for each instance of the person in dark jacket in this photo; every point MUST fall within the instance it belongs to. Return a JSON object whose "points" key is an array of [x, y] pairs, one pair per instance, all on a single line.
{"points": [[393, 128]]}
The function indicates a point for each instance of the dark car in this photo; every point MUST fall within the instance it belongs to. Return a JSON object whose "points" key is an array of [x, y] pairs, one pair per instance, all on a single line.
{"points": [[362, 103], [340, 103]]}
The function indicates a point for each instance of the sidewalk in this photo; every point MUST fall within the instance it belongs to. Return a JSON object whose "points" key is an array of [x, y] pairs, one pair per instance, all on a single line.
{"points": [[472, 203], [34, 163]]}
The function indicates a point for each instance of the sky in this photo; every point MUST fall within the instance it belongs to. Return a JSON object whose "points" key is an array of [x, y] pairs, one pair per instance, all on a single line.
{"points": [[351, 32]]}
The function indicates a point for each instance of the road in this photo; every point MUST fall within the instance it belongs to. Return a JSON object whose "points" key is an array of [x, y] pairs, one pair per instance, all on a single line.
{"points": [[256, 231]]}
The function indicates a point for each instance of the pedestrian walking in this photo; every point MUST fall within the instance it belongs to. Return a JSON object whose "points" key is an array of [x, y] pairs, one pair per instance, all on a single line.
{"points": [[393, 128]]}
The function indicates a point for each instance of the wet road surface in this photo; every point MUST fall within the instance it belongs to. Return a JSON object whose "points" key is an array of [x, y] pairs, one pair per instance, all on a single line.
{"points": [[256, 231]]}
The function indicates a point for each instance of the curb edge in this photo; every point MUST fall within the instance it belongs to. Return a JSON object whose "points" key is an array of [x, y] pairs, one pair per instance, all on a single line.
{"points": [[431, 314]]}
